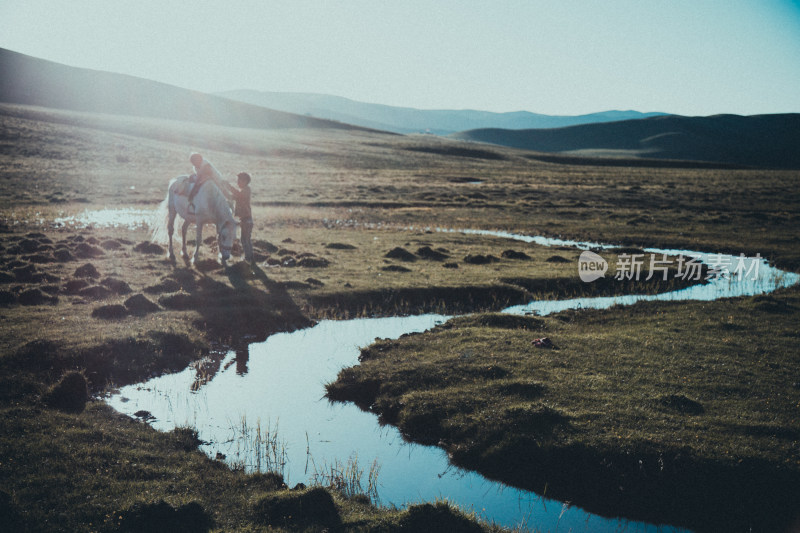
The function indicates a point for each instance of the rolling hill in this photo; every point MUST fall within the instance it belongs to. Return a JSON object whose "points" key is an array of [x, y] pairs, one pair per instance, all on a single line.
{"points": [[32, 81], [409, 120], [770, 141]]}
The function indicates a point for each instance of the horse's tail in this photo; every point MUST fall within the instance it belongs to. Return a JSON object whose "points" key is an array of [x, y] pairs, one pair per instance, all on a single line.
{"points": [[160, 218]]}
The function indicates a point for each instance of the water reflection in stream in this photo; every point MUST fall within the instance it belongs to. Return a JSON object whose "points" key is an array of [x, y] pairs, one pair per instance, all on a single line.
{"points": [[277, 386]]}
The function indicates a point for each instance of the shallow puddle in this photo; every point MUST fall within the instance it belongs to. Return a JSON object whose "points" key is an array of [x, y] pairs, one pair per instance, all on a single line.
{"points": [[263, 408], [108, 218]]}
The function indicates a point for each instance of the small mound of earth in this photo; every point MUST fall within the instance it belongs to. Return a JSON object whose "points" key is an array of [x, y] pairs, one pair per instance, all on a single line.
{"points": [[161, 516], [140, 305], [242, 269], [436, 517], [50, 289], [288, 240], [70, 394], [479, 259], [86, 271], [682, 404], [295, 285], [184, 276], [167, 285], [395, 268], [513, 254], [146, 247], [111, 244], [43, 277], [179, 301], [40, 258], [5, 277], [63, 255], [313, 262], [36, 297], [24, 273], [426, 252], [75, 285], [339, 246], [314, 281], [309, 510], [450, 265], [95, 292], [772, 305], [207, 265], [265, 246], [557, 259], [638, 220], [110, 312], [117, 286], [7, 298], [402, 254], [28, 245], [85, 250]]}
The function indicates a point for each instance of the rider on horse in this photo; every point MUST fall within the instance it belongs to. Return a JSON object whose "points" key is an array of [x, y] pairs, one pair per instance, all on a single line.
{"points": [[204, 171]]}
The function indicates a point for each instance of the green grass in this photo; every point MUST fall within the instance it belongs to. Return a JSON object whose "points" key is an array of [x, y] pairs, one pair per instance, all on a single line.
{"points": [[92, 471], [639, 410]]}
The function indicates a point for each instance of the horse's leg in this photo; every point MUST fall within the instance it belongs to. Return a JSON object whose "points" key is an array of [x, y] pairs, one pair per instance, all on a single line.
{"points": [[197, 243], [170, 230], [184, 229]]}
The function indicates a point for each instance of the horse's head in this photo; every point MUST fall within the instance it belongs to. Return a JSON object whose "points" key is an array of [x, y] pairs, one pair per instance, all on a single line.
{"points": [[225, 236]]}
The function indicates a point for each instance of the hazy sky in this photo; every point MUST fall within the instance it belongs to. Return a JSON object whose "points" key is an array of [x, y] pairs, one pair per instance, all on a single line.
{"points": [[691, 57]]}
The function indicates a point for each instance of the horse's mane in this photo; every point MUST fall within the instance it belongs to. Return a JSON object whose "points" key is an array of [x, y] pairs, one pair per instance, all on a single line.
{"points": [[220, 202]]}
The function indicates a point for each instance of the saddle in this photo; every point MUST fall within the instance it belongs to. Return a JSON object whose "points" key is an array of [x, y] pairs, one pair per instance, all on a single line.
{"points": [[185, 186]]}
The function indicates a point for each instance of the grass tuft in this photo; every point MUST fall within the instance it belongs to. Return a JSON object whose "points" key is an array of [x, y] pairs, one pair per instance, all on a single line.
{"points": [[160, 517], [70, 393], [437, 517], [304, 508]]}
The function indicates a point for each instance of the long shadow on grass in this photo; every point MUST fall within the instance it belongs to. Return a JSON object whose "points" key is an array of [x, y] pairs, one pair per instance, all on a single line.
{"points": [[252, 319], [230, 313]]}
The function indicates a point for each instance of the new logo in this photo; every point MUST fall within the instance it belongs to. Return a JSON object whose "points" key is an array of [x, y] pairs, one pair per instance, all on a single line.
{"points": [[591, 266]]}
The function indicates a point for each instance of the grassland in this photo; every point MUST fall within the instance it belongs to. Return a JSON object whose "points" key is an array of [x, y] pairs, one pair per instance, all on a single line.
{"points": [[343, 200], [683, 413]]}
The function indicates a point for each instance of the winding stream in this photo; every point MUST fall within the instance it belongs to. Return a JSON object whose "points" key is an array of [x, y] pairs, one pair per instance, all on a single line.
{"points": [[273, 391]]}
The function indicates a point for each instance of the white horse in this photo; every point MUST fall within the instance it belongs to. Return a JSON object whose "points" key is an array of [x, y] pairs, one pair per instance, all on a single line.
{"points": [[211, 207]]}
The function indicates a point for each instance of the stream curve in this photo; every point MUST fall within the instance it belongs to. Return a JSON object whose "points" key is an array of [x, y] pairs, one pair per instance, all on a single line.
{"points": [[255, 410]]}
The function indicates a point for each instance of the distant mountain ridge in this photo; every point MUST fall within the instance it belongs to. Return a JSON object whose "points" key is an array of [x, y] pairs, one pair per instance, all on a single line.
{"points": [[32, 81], [771, 141], [410, 120]]}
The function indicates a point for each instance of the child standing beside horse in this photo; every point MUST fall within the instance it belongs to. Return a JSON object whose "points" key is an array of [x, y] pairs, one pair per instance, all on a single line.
{"points": [[242, 210]]}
